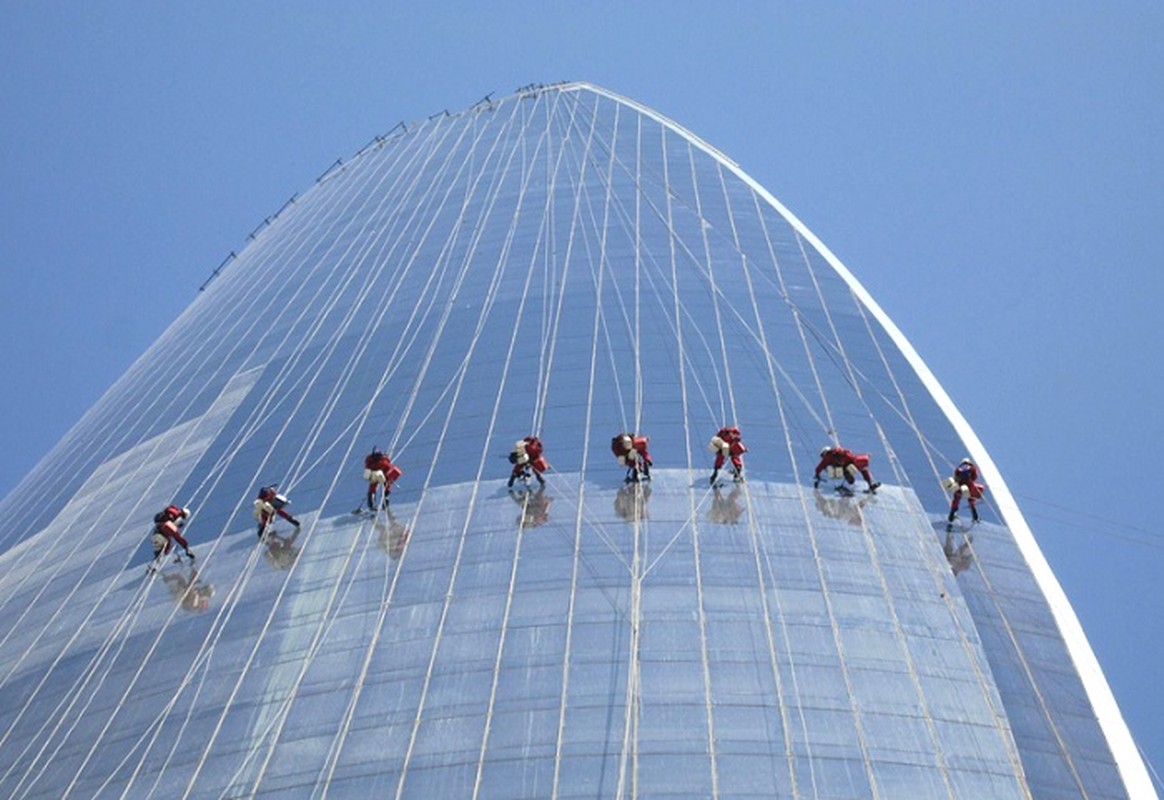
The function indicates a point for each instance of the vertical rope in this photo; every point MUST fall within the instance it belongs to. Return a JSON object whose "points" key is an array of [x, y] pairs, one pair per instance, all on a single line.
{"points": [[563, 701], [754, 538]]}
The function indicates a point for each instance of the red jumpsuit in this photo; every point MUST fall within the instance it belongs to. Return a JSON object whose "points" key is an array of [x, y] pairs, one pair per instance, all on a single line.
{"points": [[268, 504], [528, 453], [379, 470], [733, 447], [168, 523], [966, 482], [631, 451], [847, 461]]}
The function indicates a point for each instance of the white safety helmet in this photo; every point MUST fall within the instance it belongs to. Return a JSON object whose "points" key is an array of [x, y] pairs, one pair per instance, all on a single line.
{"points": [[185, 513], [826, 450], [967, 460]]}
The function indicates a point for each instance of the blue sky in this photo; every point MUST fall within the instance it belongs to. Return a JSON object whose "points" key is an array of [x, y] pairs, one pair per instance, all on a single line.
{"points": [[992, 174]]}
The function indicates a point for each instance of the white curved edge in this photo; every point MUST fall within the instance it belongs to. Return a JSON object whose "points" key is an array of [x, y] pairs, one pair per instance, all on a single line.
{"points": [[1127, 756]]}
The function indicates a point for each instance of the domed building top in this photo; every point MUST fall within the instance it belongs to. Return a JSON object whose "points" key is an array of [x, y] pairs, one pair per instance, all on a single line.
{"points": [[605, 555]]}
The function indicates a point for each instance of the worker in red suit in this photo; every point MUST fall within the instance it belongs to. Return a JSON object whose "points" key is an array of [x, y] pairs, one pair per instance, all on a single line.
{"points": [[269, 504], [527, 457], [964, 482], [379, 471], [842, 463], [727, 444], [168, 530], [630, 449]]}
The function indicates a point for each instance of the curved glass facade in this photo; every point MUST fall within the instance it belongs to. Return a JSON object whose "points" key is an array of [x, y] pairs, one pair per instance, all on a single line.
{"points": [[568, 263]]}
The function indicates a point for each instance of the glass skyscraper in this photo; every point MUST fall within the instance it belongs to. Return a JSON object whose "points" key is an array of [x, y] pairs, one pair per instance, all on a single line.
{"points": [[564, 263]]}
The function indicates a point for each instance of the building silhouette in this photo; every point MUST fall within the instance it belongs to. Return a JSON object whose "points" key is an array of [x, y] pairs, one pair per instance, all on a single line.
{"points": [[565, 262]]}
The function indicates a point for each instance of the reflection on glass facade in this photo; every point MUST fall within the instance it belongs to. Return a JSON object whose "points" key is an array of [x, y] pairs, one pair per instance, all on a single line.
{"points": [[565, 263]]}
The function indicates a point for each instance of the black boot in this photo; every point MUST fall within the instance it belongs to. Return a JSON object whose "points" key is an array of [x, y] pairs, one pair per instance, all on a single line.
{"points": [[371, 501], [714, 474]]}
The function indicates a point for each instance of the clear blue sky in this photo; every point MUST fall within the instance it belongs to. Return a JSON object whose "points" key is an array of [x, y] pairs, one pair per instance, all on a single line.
{"points": [[993, 175]]}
